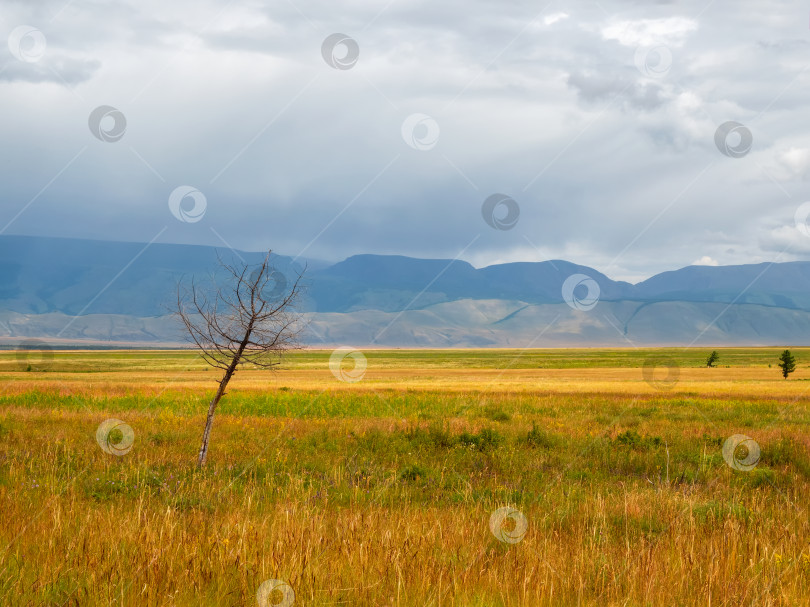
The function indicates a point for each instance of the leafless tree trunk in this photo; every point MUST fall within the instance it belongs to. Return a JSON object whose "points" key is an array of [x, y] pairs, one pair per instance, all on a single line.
{"points": [[243, 321]]}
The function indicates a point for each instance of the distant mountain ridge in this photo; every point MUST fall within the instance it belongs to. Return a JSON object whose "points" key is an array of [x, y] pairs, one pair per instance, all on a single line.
{"points": [[361, 281], [391, 282], [115, 288]]}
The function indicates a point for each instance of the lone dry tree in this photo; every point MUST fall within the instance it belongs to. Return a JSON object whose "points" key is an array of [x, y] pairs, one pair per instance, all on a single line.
{"points": [[249, 319]]}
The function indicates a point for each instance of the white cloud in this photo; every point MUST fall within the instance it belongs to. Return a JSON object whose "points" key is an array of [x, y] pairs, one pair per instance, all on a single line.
{"points": [[644, 32], [787, 241], [791, 163], [706, 261], [554, 18]]}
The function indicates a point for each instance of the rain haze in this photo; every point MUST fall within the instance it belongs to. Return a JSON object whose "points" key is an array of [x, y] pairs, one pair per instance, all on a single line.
{"points": [[325, 130]]}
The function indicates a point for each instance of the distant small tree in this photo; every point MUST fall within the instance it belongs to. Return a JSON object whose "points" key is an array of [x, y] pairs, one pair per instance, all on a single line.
{"points": [[713, 358], [240, 322], [787, 363]]}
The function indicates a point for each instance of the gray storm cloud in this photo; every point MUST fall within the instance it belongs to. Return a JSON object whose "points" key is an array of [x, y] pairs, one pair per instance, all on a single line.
{"points": [[599, 120]]}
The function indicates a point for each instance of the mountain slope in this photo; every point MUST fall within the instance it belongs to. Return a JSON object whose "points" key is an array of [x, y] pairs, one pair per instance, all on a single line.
{"points": [[785, 285], [89, 291], [468, 323], [40, 275]]}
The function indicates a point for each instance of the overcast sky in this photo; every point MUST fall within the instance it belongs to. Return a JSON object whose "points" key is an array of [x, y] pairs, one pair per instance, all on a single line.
{"points": [[598, 119]]}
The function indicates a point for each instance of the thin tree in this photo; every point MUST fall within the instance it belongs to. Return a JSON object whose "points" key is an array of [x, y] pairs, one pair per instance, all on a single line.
{"points": [[242, 321], [713, 358], [787, 363]]}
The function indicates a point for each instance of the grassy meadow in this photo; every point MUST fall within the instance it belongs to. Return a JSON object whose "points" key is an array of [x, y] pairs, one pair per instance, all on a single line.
{"points": [[381, 491]]}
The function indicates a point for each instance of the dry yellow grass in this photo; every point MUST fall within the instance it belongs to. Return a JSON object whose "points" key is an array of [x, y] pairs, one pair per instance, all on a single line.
{"points": [[381, 492], [731, 382]]}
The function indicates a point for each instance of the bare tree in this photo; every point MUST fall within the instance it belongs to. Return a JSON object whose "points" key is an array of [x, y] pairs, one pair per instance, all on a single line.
{"points": [[243, 321]]}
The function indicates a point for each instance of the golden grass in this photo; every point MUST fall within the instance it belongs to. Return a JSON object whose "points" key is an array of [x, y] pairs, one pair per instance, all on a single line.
{"points": [[375, 509], [732, 382]]}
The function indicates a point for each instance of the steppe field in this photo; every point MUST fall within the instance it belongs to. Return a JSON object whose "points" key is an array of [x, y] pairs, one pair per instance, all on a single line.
{"points": [[460, 477]]}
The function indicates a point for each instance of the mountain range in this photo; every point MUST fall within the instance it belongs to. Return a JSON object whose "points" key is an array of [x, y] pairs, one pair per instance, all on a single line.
{"points": [[85, 292]]}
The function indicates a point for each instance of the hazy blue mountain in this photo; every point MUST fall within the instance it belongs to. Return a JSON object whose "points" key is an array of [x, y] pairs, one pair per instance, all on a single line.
{"points": [[785, 285], [40, 275], [393, 283], [123, 292], [390, 283]]}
